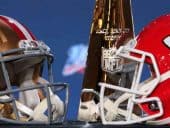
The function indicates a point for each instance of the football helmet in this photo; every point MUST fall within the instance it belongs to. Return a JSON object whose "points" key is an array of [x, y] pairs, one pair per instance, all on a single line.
{"points": [[147, 99], [25, 95]]}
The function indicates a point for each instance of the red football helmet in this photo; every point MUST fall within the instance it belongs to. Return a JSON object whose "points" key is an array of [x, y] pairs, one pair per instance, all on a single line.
{"points": [[147, 99], [24, 93]]}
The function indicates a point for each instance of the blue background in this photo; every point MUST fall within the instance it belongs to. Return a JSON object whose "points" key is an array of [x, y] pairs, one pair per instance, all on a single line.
{"points": [[64, 23]]}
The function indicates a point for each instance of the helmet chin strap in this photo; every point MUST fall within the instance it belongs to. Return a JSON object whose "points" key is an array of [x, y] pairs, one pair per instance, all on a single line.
{"points": [[42, 107], [57, 105]]}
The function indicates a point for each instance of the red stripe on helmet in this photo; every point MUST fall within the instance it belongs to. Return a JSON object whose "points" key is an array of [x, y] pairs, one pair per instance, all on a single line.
{"points": [[16, 29], [33, 37]]}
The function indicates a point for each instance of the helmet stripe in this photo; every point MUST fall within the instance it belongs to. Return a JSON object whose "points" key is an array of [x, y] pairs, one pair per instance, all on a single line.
{"points": [[17, 27]]}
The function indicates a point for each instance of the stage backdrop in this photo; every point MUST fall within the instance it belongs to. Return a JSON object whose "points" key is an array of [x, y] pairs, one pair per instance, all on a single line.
{"points": [[65, 25]]}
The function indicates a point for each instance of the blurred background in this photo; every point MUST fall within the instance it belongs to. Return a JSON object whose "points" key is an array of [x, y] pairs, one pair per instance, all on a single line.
{"points": [[65, 26]]}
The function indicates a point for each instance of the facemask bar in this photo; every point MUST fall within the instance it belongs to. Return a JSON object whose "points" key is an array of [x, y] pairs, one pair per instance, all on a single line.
{"points": [[7, 57], [7, 81], [57, 86], [135, 91], [61, 87], [124, 52]]}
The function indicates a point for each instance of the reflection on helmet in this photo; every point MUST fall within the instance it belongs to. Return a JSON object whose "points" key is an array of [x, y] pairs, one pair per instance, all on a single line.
{"points": [[147, 99], [25, 95]]}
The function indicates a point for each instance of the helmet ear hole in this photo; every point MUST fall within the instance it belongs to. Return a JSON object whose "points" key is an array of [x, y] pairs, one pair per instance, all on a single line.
{"points": [[41, 111]]}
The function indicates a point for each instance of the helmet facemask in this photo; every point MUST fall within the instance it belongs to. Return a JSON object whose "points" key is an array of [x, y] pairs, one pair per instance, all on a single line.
{"points": [[127, 108], [43, 111]]}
